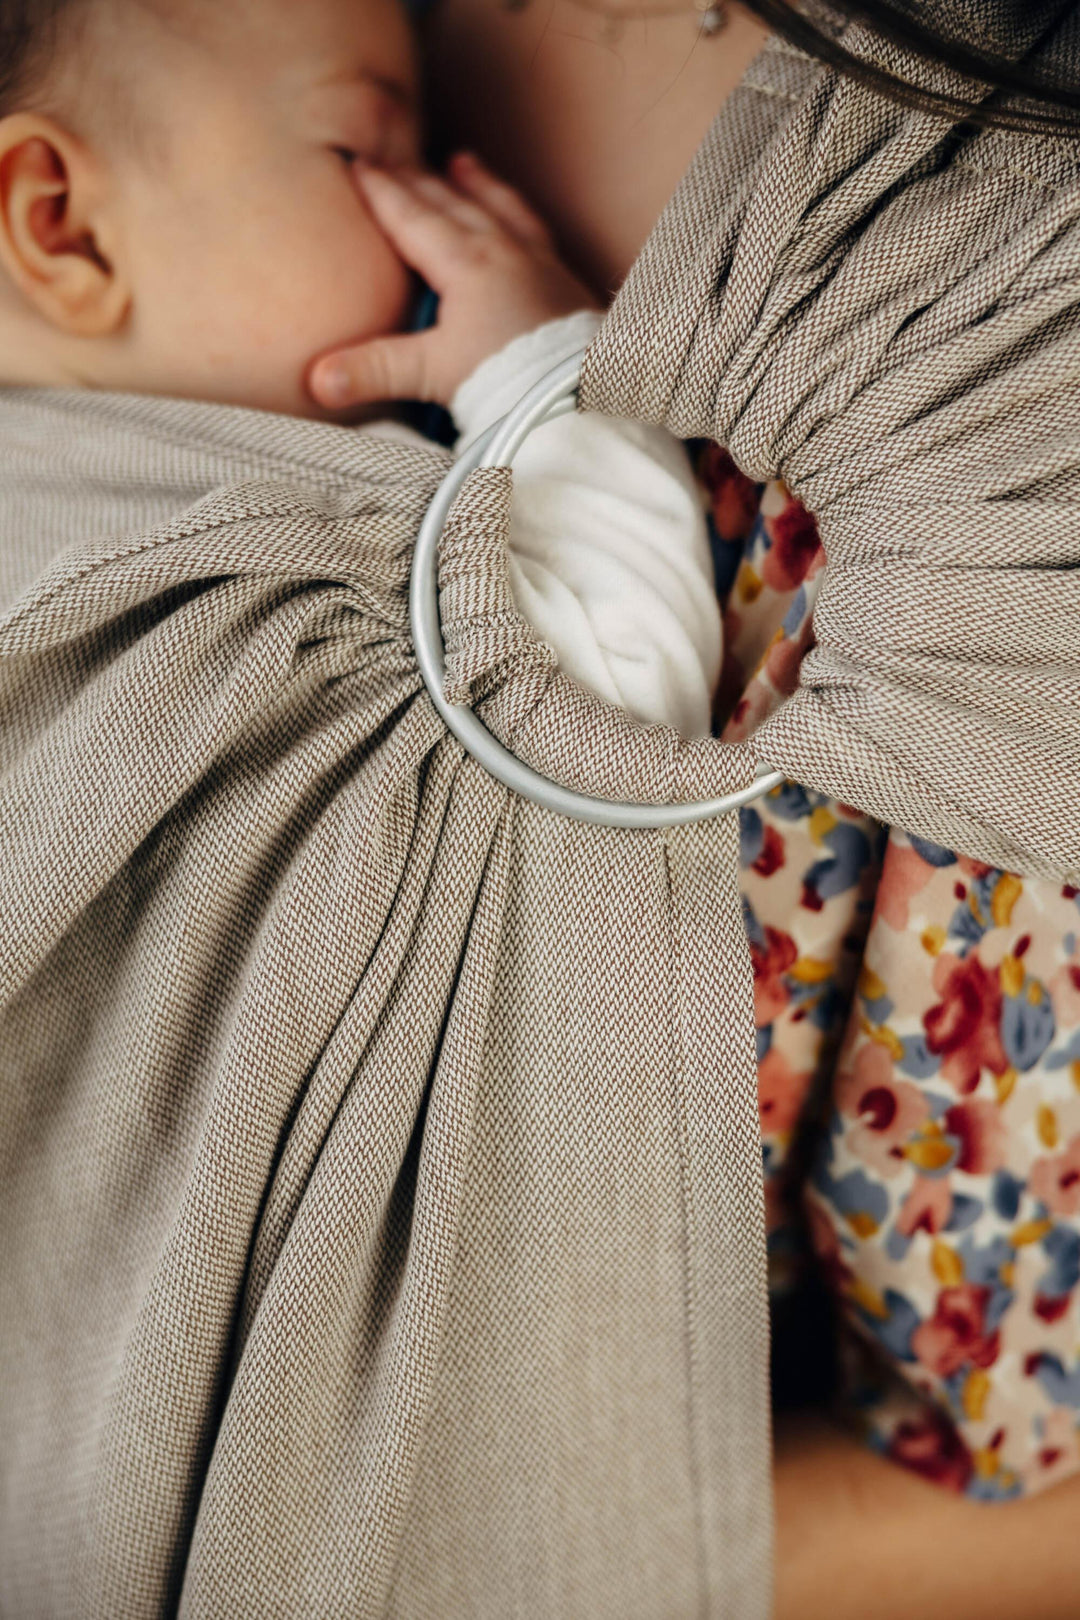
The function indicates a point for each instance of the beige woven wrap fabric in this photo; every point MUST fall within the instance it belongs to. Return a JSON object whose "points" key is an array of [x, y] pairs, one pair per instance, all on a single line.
{"points": [[381, 1207], [380, 1192], [883, 309]]}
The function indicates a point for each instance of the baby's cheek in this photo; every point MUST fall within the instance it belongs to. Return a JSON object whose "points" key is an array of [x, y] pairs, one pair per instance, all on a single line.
{"points": [[373, 289], [358, 289], [242, 323]]}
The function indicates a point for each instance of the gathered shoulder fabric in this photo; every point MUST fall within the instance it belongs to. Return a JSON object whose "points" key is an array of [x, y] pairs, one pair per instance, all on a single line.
{"points": [[380, 1194], [882, 309]]}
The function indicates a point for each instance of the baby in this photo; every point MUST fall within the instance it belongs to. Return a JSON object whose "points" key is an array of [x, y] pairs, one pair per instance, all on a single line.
{"points": [[198, 198]]}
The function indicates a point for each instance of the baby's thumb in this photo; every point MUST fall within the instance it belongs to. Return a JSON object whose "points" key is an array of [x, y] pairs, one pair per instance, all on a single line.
{"points": [[381, 369]]}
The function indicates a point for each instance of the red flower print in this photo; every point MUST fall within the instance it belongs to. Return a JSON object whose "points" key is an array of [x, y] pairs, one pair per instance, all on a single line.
{"points": [[733, 498], [1055, 1179], [931, 1446], [888, 1110], [1064, 988], [955, 1336], [757, 701], [771, 858], [926, 1208], [1051, 1307], [727, 699], [781, 1093], [903, 874], [981, 1131], [964, 1028], [786, 654], [795, 544], [770, 962]]}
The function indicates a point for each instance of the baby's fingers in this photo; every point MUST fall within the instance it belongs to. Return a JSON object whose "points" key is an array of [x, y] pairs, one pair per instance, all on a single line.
{"points": [[397, 367], [501, 201], [453, 204], [428, 238]]}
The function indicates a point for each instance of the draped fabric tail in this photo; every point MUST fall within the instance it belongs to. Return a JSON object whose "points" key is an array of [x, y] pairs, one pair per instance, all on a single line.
{"points": [[381, 1194]]}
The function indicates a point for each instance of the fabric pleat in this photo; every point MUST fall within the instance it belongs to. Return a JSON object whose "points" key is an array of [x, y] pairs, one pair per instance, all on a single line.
{"points": [[380, 1179], [380, 1185], [882, 309]]}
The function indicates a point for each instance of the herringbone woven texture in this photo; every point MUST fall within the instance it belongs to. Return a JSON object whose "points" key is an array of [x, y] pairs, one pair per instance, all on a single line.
{"points": [[380, 1184], [381, 1193], [882, 308]]}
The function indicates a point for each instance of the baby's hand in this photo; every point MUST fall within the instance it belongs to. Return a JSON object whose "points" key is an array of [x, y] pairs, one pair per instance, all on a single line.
{"points": [[493, 264]]}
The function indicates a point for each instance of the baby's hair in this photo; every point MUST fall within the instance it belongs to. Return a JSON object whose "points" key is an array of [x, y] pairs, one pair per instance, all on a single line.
{"points": [[29, 38], [58, 58]]}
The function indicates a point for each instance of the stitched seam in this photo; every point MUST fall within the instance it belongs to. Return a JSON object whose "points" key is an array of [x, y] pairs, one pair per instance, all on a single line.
{"points": [[771, 90], [1007, 168]]}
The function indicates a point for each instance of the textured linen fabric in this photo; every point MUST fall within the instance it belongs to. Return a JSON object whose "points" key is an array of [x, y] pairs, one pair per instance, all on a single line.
{"points": [[882, 308], [382, 1197], [381, 1186]]}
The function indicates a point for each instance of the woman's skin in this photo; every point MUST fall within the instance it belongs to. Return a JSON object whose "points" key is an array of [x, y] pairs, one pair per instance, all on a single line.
{"points": [[596, 122], [593, 113], [860, 1538]]}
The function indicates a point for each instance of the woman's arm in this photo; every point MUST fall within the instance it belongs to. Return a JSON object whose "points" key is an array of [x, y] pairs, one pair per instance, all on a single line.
{"points": [[859, 1538]]}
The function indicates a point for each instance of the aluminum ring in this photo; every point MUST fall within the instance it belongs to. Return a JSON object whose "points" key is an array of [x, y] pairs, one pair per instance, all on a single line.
{"points": [[554, 395]]}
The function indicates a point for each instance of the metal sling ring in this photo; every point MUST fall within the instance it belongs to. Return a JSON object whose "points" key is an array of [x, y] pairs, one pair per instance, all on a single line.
{"points": [[554, 395]]}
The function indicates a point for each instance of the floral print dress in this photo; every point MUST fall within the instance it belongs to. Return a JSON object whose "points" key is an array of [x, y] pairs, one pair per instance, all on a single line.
{"points": [[918, 1022]]}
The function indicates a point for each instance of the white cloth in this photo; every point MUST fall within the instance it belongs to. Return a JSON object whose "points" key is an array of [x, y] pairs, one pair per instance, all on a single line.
{"points": [[609, 553]]}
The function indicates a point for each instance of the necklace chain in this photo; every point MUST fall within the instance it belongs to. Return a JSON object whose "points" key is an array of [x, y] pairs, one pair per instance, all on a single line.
{"points": [[711, 15]]}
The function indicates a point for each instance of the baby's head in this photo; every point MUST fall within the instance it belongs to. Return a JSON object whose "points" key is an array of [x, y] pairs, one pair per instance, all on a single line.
{"points": [[177, 213]]}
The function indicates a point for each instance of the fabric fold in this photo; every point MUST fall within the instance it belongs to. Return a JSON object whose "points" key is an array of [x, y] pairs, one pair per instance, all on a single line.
{"points": [[380, 1172], [882, 308], [497, 663]]}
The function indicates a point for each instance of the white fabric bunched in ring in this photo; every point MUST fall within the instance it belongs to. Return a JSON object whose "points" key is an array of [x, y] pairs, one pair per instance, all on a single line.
{"points": [[553, 396], [383, 1230]]}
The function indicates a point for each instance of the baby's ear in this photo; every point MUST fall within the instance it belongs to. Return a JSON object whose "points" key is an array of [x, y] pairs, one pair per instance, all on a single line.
{"points": [[58, 233]]}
